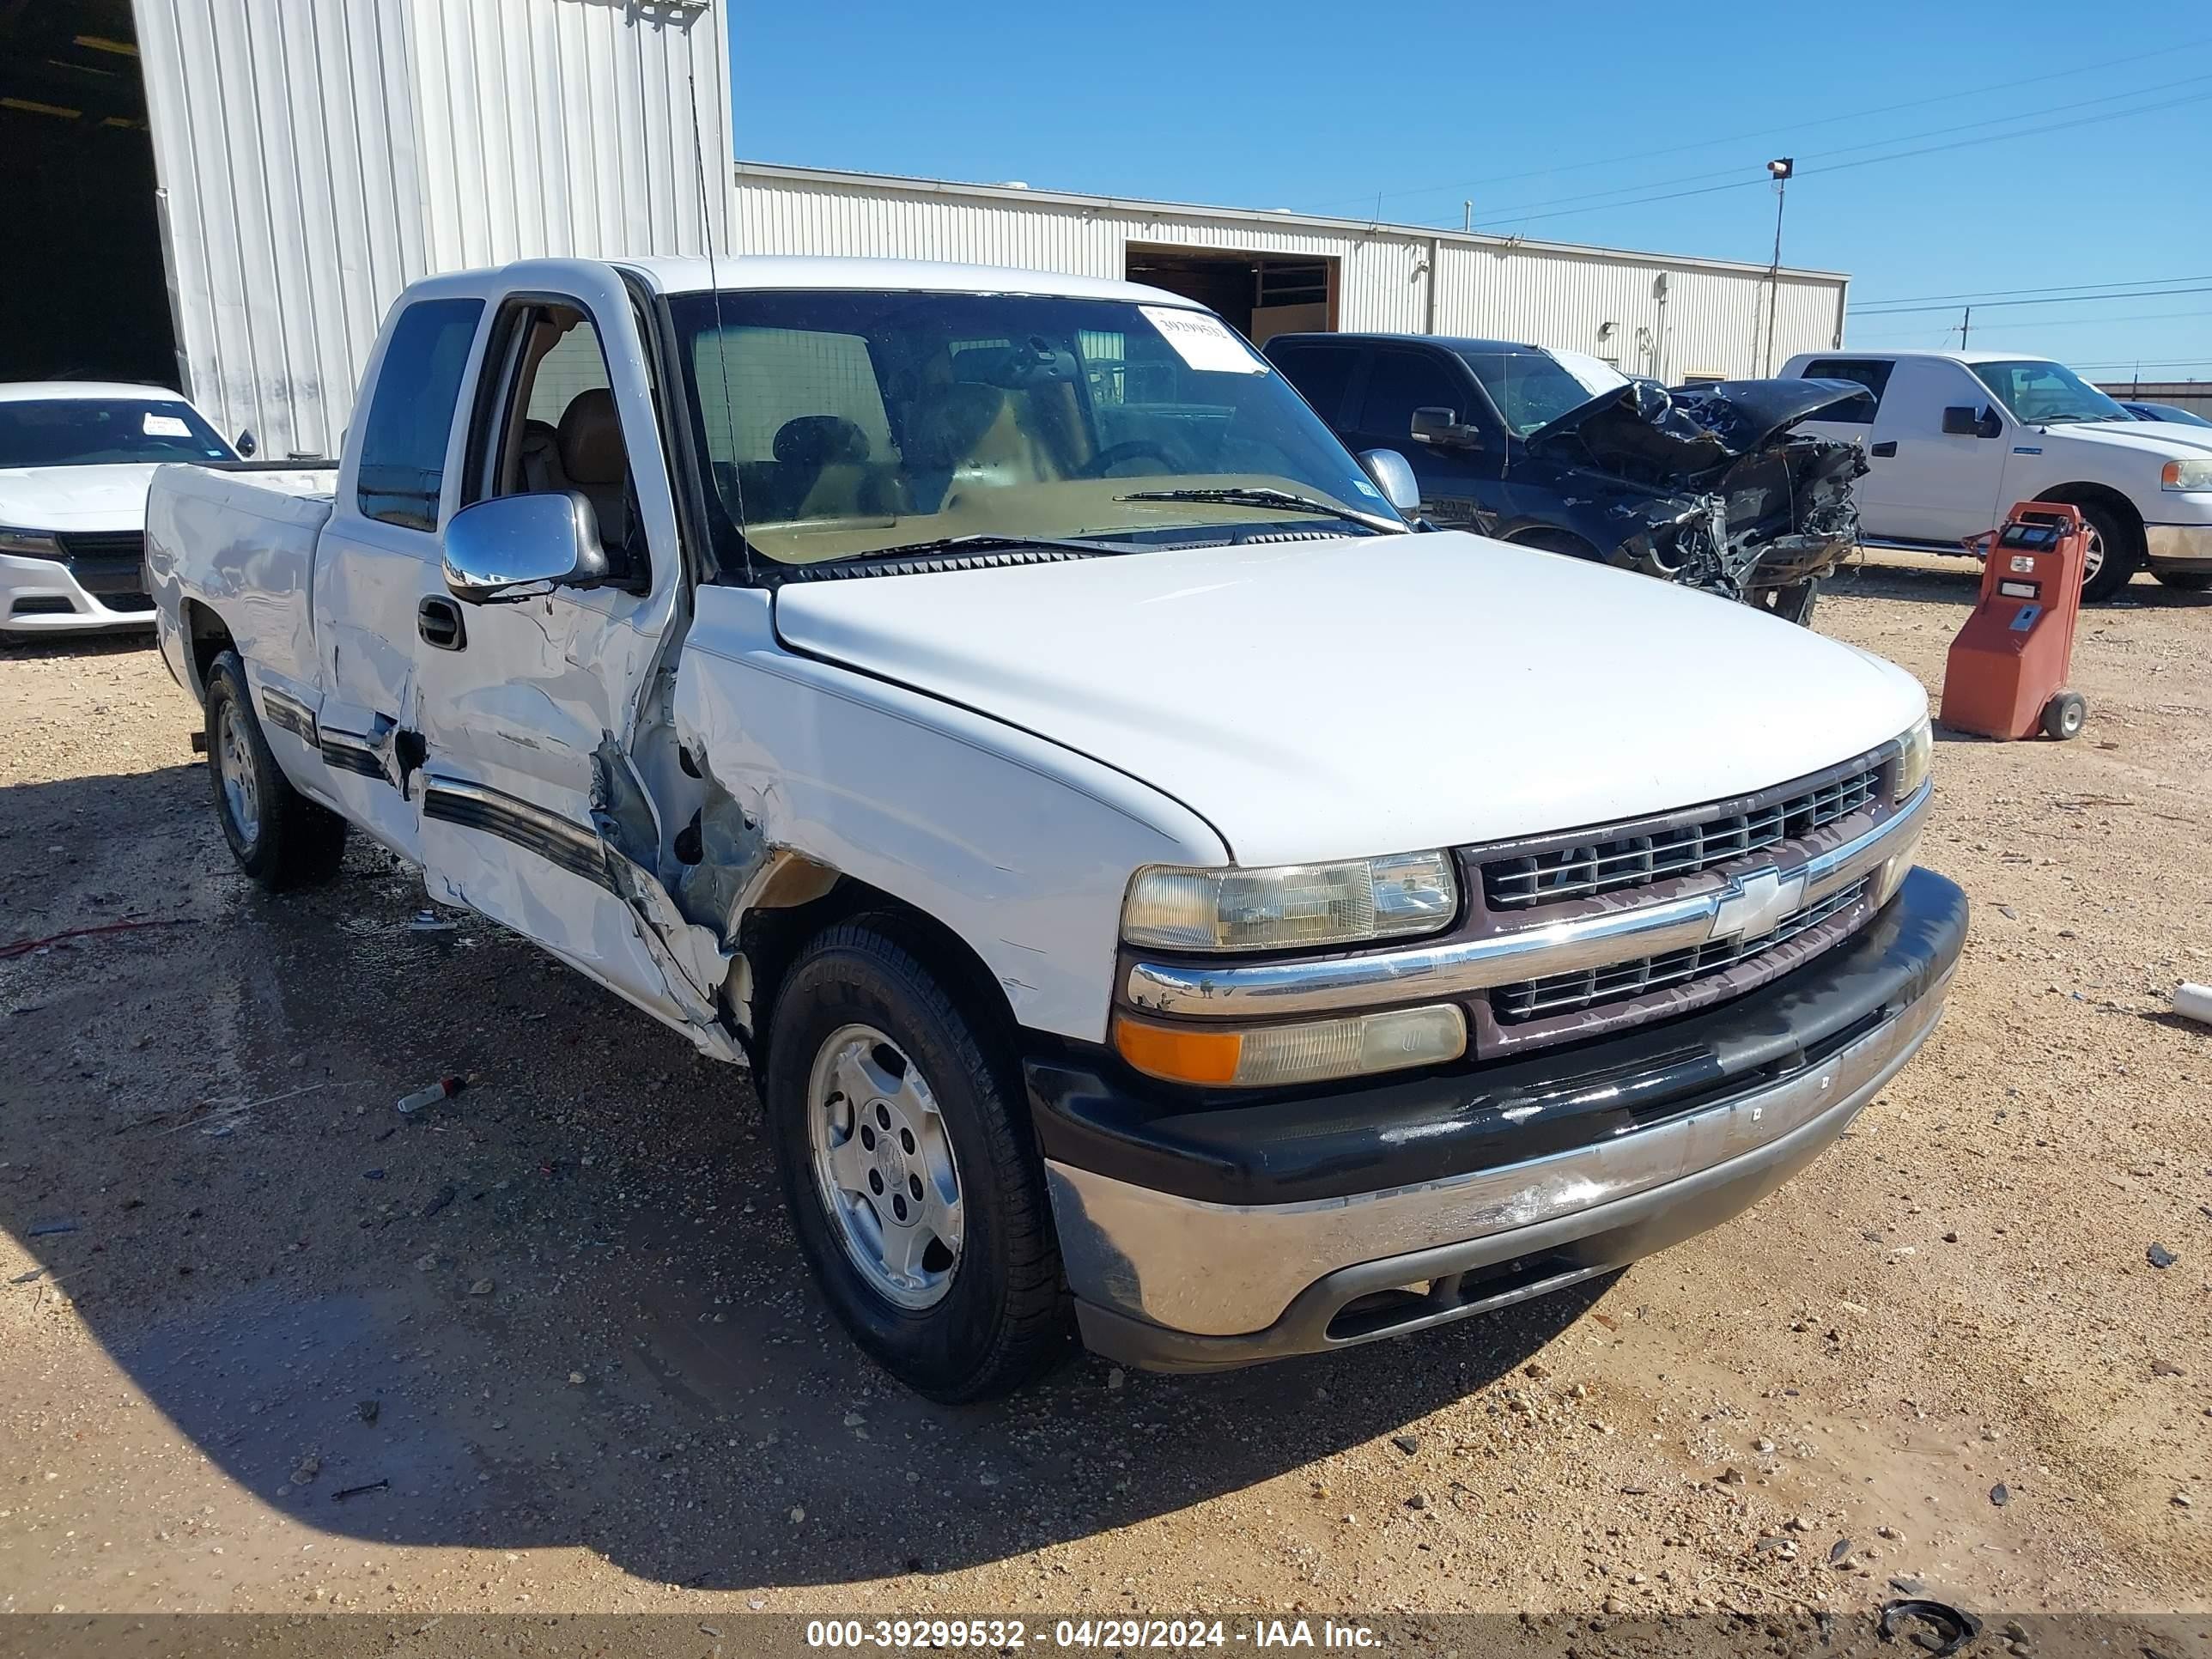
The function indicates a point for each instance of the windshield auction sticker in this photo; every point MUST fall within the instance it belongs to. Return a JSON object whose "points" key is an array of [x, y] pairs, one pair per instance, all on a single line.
{"points": [[1204, 342]]}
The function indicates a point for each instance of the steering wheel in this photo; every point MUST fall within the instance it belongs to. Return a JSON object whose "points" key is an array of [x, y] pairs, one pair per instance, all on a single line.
{"points": [[1114, 454]]}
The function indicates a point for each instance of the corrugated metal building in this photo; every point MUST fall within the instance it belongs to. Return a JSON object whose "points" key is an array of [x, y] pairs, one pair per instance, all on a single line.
{"points": [[1676, 318], [227, 195]]}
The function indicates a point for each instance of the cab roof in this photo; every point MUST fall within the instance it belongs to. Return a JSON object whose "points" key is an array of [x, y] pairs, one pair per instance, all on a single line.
{"points": [[770, 270], [27, 392]]}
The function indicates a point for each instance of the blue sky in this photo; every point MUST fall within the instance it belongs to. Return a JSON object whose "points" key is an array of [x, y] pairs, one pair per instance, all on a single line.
{"points": [[2062, 165]]}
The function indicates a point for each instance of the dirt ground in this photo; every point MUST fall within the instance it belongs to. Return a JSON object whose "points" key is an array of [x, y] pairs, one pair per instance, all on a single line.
{"points": [[554, 1336]]}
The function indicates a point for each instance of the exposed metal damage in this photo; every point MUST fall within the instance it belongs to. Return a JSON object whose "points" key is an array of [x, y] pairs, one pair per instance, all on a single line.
{"points": [[1717, 492]]}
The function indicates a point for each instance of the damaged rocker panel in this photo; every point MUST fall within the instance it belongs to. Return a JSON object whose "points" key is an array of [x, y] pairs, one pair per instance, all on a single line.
{"points": [[553, 838]]}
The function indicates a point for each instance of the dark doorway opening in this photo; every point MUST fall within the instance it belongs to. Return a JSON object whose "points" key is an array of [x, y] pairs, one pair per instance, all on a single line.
{"points": [[83, 285], [1258, 295]]}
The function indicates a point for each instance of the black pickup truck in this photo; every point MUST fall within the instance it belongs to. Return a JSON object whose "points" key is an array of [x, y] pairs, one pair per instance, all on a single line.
{"points": [[1705, 485]]}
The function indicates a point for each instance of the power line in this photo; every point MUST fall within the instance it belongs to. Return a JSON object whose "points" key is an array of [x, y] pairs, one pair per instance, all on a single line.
{"points": [[2070, 73], [2088, 322], [1736, 174], [1874, 160], [2063, 287], [2057, 300]]}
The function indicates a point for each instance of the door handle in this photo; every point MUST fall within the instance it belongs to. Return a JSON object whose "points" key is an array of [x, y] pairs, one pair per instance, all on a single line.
{"points": [[438, 620], [1887, 452]]}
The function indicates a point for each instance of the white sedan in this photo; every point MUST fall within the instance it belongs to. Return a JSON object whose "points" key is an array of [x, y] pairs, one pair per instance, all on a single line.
{"points": [[76, 457]]}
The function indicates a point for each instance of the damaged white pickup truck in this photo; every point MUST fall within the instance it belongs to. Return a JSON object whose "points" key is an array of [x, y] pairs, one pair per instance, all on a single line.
{"points": [[1150, 882]]}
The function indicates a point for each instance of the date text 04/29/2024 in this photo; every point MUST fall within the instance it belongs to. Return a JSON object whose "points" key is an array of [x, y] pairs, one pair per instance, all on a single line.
{"points": [[999, 1635]]}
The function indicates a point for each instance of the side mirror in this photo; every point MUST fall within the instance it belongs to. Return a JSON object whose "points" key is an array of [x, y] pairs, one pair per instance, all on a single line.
{"points": [[1965, 421], [517, 547], [247, 443], [1440, 428], [1394, 476]]}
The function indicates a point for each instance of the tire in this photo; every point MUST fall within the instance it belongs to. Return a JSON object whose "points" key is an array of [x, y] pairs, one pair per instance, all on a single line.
{"points": [[2122, 547], [2063, 716], [279, 837], [2184, 582], [963, 1324]]}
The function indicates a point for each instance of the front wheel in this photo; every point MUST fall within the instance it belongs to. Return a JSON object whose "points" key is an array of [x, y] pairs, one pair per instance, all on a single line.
{"points": [[278, 836], [906, 1159], [2115, 550]]}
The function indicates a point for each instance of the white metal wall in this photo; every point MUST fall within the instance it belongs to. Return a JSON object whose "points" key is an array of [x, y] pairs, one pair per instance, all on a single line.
{"points": [[1672, 317], [315, 156]]}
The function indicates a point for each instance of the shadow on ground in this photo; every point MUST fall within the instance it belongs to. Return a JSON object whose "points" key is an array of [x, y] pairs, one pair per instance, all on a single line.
{"points": [[1957, 581], [562, 1307]]}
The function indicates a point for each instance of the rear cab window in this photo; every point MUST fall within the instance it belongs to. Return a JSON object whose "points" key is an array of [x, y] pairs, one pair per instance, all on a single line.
{"points": [[1323, 375], [401, 470], [1872, 372]]}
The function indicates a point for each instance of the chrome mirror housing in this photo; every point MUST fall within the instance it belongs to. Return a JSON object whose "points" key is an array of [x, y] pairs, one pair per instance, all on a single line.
{"points": [[517, 547], [1393, 474]]}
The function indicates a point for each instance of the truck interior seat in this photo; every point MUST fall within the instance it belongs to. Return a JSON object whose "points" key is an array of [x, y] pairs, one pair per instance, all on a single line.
{"points": [[590, 442], [537, 463]]}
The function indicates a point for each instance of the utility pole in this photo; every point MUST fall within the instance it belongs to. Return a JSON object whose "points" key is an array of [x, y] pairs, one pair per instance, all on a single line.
{"points": [[1780, 167], [1966, 323]]}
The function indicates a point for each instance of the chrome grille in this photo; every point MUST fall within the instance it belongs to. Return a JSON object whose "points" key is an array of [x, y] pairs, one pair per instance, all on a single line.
{"points": [[1556, 994], [1607, 866]]}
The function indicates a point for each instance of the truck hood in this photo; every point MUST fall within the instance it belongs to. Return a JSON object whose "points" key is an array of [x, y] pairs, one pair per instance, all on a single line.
{"points": [[110, 497], [1681, 436], [2168, 441], [1361, 695]]}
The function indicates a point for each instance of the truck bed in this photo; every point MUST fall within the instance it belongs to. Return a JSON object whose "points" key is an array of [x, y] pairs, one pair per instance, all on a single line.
{"points": [[242, 543]]}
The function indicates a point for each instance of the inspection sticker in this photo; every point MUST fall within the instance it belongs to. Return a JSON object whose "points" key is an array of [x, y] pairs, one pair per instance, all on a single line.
{"points": [[1204, 342], [2023, 565], [164, 426]]}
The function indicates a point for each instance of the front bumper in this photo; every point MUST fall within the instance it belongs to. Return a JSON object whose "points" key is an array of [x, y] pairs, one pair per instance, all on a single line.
{"points": [[44, 596], [1195, 1240], [2179, 549]]}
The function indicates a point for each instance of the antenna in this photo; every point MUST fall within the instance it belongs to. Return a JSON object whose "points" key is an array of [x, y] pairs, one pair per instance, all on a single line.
{"points": [[721, 344]]}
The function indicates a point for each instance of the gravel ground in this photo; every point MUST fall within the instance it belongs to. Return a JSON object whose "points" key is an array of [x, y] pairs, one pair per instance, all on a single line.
{"points": [[557, 1328]]}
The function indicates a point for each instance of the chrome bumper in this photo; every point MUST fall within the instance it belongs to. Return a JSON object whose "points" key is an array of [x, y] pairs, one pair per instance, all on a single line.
{"points": [[1162, 1278], [1379, 978], [2179, 547]]}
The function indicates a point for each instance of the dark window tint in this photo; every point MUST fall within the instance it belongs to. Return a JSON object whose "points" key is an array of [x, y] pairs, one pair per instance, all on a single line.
{"points": [[1872, 372], [402, 446], [1323, 375], [1403, 382]]}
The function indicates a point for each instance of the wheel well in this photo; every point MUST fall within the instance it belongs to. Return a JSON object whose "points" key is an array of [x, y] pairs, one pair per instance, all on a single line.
{"points": [[205, 639], [2103, 495], [773, 939], [1548, 538]]}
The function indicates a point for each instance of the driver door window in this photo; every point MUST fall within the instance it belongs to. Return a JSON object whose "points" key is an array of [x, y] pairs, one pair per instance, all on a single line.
{"points": [[560, 430]]}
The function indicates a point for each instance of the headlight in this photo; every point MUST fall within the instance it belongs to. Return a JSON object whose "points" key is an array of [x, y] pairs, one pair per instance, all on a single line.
{"points": [[1276, 1056], [1290, 904], [31, 543], [2187, 474], [1916, 754]]}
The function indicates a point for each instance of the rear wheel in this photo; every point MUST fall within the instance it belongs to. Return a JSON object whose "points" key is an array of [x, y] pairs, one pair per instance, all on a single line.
{"points": [[2115, 550], [278, 836], [901, 1135]]}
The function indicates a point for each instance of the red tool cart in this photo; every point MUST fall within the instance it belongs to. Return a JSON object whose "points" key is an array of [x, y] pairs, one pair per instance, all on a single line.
{"points": [[2006, 677]]}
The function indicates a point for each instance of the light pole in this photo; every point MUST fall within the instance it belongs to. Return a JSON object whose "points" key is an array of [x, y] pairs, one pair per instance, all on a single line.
{"points": [[1780, 167]]}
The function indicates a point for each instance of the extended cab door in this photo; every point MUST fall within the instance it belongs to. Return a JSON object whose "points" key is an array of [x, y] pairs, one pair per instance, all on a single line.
{"points": [[378, 555], [533, 811]]}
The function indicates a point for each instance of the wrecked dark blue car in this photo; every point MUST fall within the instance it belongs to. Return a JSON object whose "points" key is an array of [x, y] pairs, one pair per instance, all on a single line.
{"points": [[1705, 485]]}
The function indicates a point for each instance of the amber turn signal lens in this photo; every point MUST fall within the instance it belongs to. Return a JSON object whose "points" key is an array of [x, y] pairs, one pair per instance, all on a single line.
{"points": [[1185, 1056]]}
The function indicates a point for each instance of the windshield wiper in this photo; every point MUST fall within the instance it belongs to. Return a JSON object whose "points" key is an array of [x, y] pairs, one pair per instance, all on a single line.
{"points": [[1288, 501], [984, 542]]}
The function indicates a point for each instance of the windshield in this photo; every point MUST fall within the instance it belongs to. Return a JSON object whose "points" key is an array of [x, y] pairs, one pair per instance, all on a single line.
{"points": [[2042, 393], [1532, 389], [90, 431], [843, 424]]}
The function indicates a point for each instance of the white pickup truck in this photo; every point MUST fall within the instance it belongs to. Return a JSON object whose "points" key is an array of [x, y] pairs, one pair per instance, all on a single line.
{"points": [[1955, 438], [1156, 890]]}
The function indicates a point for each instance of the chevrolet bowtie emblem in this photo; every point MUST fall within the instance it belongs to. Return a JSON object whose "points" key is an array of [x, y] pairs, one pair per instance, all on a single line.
{"points": [[1754, 905]]}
